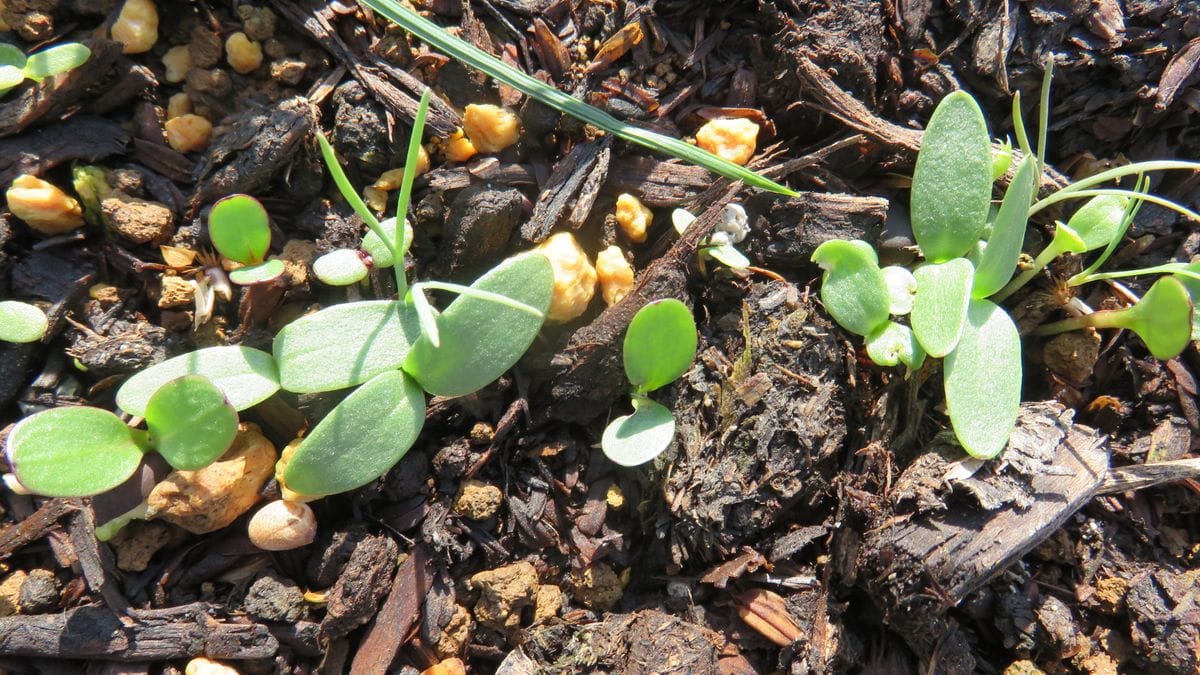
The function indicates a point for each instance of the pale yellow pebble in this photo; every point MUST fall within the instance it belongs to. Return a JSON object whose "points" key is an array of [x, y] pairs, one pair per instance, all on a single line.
{"points": [[136, 27], [243, 54], [633, 217], [574, 277], [733, 139], [375, 199], [615, 275], [614, 497], [43, 206], [458, 148], [490, 127], [177, 62], [282, 526], [203, 666], [188, 132], [179, 105]]}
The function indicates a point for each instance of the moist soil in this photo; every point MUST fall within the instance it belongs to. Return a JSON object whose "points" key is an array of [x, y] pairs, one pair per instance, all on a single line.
{"points": [[813, 515]]}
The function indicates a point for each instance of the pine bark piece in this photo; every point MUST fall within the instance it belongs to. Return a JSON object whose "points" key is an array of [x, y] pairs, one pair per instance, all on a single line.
{"points": [[399, 614], [355, 597]]}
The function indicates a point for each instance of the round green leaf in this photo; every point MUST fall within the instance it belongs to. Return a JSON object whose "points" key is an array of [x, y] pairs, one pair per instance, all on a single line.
{"points": [[239, 228], [660, 344], [72, 452], [940, 306], [56, 60], [21, 322], [363, 437], [1163, 318], [344, 345], [190, 422], [1193, 289], [340, 267], [10, 76], [999, 259], [853, 288], [1099, 220], [952, 182], [380, 252], [257, 274], [635, 439], [245, 376], [12, 56], [982, 377], [481, 339], [728, 256]]}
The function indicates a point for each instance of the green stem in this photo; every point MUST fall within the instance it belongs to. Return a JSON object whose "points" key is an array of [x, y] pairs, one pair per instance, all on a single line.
{"points": [[1063, 195], [480, 294], [1108, 318], [1044, 115], [1019, 125], [1168, 268], [410, 172], [1128, 170], [1052, 251]]}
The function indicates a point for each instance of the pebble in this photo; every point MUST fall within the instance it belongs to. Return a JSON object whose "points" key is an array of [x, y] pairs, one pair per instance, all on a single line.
{"points": [[503, 593], [478, 500], [275, 598], [137, 220], [40, 593]]}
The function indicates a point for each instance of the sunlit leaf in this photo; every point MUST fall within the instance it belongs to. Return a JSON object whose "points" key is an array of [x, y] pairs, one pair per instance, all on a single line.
{"points": [[10, 76], [660, 344], [56, 60], [894, 344], [340, 267], [360, 439], [902, 289], [344, 345], [1099, 220], [728, 256], [21, 322], [245, 376], [190, 422], [940, 306], [257, 274], [635, 439], [1193, 289], [1162, 318], [982, 377], [239, 228], [12, 56], [72, 452], [379, 250], [952, 182], [853, 288], [999, 258], [481, 339]]}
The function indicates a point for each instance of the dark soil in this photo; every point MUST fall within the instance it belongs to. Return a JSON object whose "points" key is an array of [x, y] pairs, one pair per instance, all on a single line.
{"points": [[812, 515]]}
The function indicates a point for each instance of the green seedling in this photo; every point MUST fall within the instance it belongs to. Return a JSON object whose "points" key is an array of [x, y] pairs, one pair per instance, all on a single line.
{"points": [[464, 51], [659, 347], [21, 322], [732, 229], [82, 451], [15, 67], [240, 231], [969, 268]]}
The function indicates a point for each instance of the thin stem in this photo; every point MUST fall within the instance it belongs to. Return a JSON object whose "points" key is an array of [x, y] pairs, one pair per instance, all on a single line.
{"points": [[410, 172], [1108, 318], [1044, 114], [1052, 251], [1168, 268], [1128, 170], [1019, 125], [1063, 195], [480, 294]]}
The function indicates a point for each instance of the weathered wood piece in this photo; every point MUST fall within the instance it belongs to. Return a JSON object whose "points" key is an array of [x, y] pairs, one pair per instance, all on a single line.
{"points": [[141, 635], [85, 137], [29, 530], [572, 189], [786, 230], [397, 617], [1139, 476], [355, 597], [657, 183]]}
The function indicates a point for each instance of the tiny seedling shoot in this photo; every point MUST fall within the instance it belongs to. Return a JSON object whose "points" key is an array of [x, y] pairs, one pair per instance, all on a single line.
{"points": [[971, 255], [660, 346], [15, 67], [240, 231], [21, 322], [731, 229]]}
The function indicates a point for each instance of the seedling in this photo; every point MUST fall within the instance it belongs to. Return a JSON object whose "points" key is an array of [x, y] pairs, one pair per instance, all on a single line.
{"points": [[732, 229], [82, 451], [659, 346], [21, 322], [969, 268], [240, 231], [15, 67]]}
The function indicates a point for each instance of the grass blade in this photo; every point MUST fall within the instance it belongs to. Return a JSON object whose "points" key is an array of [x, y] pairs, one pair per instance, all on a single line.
{"points": [[544, 93]]}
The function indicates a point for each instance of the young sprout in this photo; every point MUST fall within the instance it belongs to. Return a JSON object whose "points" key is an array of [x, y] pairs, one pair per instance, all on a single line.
{"points": [[1162, 319], [21, 322], [659, 346], [732, 229], [853, 288], [15, 67], [240, 230], [344, 267]]}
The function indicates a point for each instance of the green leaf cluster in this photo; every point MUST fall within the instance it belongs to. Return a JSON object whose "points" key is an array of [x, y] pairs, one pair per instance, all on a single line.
{"points": [[240, 230], [15, 67]]}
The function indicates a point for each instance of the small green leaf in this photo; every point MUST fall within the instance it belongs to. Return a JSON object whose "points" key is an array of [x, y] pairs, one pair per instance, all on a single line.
{"points": [[902, 289], [728, 256], [363, 437], [257, 274], [853, 288], [999, 258], [1001, 159], [481, 339], [21, 322], [12, 56], [952, 182], [1099, 220], [1066, 240], [894, 344], [1193, 289], [72, 452], [340, 267], [190, 422], [239, 228], [56, 60], [245, 376], [660, 344], [379, 250], [940, 307], [10, 76], [344, 345], [1163, 318], [982, 377], [635, 439]]}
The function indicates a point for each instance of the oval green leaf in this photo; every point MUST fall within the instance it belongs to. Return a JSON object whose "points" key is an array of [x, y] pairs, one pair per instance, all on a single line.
{"points": [[952, 182], [660, 344], [56, 60], [853, 288], [190, 422], [10, 76], [344, 345], [1193, 289], [12, 56], [999, 258], [982, 378], [257, 274], [1163, 318], [340, 267], [239, 228], [635, 439], [72, 452], [244, 375], [728, 256], [940, 306], [902, 288], [481, 339], [21, 322], [360, 439], [1099, 220], [894, 344], [381, 252]]}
